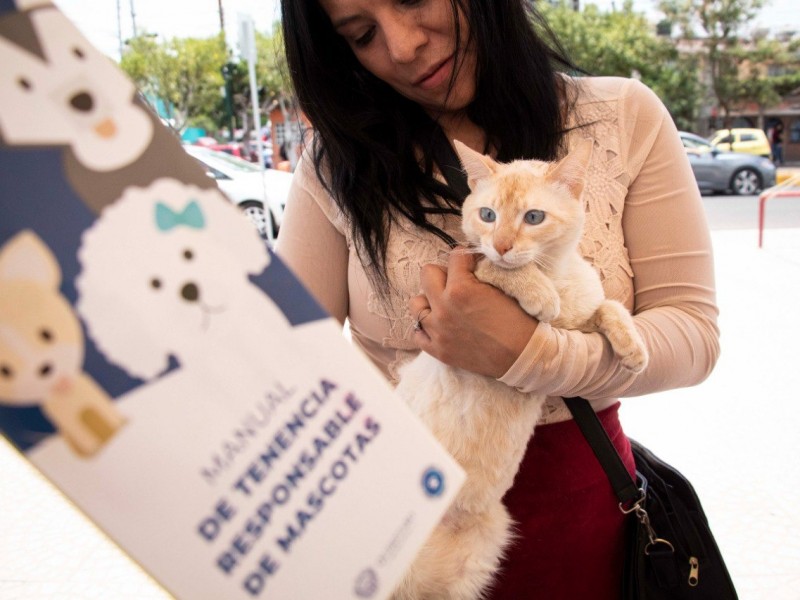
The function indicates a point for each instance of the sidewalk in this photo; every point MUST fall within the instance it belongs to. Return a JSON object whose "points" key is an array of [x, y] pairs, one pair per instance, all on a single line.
{"points": [[735, 437], [785, 171]]}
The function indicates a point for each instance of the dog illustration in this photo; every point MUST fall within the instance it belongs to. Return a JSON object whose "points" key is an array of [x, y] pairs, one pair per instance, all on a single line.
{"points": [[42, 348], [165, 272], [62, 91]]}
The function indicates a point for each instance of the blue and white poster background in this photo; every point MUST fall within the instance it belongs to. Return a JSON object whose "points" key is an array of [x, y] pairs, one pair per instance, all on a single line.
{"points": [[167, 372]]}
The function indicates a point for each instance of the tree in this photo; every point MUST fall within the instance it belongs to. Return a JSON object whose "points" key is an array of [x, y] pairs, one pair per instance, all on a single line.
{"points": [[183, 74], [270, 76], [624, 43], [719, 23], [273, 80]]}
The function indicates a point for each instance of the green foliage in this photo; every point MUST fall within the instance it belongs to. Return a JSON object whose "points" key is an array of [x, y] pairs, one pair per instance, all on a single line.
{"points": [[271, 66], [623, 43], [719, 21], [184, 74], [719, 25], [271, 78]]}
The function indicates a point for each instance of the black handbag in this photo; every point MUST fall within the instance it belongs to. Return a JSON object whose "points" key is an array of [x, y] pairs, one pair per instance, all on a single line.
{"points": [[672, 553]]}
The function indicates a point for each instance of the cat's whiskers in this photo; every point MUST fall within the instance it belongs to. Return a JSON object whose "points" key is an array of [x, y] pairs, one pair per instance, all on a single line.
{"points": [[543, 261], [473, 248]]}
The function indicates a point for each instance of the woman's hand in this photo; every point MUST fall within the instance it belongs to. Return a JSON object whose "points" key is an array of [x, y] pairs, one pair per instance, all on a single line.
{"points": [[471, 325]]}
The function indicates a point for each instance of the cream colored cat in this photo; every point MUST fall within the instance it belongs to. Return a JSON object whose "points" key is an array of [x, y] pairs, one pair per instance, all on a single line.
{"points": [[526, 218]]}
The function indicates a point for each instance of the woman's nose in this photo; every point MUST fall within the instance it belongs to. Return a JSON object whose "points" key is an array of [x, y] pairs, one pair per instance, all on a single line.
{"points": [[403, 36]]}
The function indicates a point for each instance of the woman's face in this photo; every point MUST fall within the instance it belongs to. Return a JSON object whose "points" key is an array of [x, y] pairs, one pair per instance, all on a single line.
{"points": [[410, 45]]}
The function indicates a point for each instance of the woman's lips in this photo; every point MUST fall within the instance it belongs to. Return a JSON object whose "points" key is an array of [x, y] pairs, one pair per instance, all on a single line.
{"points": [[440, 74]]}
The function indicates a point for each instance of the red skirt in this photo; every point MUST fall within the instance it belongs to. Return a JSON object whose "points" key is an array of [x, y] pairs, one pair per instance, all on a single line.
{"points": [[571, 533]]}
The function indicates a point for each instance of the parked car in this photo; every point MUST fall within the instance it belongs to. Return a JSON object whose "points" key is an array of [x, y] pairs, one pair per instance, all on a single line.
{"points": [[718, 171], [250, 188], [744, 140], [237, 149]]}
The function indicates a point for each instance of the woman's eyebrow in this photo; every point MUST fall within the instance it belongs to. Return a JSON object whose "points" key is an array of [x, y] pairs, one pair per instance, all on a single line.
{"points": [[339, 23]]}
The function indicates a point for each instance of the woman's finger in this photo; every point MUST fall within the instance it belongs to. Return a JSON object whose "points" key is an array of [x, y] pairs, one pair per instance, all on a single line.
{"points": [[432, 281]]}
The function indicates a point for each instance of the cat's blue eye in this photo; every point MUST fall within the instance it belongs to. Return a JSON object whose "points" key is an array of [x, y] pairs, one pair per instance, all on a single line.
{"points": [[534, 217], [487, 215]]}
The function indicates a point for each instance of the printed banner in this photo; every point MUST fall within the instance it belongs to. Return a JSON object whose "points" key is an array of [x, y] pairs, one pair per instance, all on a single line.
{"points": [[167, 372]]}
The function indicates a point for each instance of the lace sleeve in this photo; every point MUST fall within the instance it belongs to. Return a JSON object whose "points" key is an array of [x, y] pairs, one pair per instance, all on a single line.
{"points": [[647, 235]]}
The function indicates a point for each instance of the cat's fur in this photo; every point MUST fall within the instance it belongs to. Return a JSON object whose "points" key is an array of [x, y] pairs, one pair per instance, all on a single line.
{"points": [[483, 423]]}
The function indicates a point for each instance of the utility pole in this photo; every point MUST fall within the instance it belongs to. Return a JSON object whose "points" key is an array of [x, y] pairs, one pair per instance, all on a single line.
{"points": [[133, 20], [222, 22], [119, 29]]}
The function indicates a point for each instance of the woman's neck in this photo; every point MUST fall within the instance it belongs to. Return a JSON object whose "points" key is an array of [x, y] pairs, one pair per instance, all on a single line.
{"points": [[460, 127]]}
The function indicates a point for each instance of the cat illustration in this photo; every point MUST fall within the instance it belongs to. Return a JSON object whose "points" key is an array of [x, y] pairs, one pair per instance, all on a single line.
{"points": [[42, 347], [526, 218]]}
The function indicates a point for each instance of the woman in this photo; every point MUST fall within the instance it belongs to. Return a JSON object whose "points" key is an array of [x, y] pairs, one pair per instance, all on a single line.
{"points": [[369, 225]]}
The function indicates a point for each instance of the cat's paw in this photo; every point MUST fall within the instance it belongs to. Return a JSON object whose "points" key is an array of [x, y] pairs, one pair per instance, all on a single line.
{"points": [[545, 309], [550, 309], [636, 360]]}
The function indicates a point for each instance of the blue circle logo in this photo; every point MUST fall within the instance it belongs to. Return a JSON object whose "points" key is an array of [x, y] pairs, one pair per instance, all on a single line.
{"points": [[433, 482], [366, 583]]}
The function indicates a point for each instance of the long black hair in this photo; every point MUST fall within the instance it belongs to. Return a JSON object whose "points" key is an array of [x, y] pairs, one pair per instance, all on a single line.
{"points": [[368, 137]]}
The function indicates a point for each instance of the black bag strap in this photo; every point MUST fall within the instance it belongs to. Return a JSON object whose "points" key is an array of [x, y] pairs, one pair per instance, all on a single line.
{"points": [[449, 163], [625, 487]]}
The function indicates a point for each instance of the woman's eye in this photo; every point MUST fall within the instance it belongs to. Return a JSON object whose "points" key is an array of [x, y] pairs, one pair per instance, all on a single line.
{"points": [[534, 217], [487, 215], [365, 39]]}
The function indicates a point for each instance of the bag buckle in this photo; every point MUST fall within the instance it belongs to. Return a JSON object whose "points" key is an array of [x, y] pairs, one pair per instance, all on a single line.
{"points": [[641, 514]]}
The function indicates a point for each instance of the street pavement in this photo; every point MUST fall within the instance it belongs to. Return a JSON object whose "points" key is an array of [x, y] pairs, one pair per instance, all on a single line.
{"points": [[735, 436]]}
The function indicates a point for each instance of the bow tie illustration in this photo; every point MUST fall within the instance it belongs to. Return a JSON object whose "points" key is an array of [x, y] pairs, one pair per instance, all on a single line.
{"points": [[190, 216]]}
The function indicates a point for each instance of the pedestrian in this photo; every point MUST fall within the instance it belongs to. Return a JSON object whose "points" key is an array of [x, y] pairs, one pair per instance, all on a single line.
{"points": [[776, 141], [283, 164], [370, 222]]}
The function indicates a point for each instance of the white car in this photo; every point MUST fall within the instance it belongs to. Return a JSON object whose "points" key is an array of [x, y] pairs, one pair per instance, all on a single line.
{"points": [[248, 187]]}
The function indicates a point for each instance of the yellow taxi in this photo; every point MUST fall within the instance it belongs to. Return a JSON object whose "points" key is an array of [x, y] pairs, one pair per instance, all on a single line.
{"points": [[749, 141]]}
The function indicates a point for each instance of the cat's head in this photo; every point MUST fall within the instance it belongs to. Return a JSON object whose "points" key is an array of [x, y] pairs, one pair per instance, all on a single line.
{"points": [[526, 210]]}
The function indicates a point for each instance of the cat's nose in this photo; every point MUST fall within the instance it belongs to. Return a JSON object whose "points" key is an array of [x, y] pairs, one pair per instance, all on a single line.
{"points": [[503, 246]]}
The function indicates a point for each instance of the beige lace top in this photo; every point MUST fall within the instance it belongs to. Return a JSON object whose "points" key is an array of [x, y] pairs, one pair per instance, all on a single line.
{"points": [[645, 232]]}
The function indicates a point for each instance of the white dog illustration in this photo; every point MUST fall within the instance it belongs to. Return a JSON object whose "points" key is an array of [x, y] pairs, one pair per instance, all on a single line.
{"points": [[74, 96], [165, 272], [41, 348]]}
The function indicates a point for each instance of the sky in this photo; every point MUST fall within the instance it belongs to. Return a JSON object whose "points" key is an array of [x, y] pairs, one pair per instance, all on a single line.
{"points": [[98, 19], [106, 22]]}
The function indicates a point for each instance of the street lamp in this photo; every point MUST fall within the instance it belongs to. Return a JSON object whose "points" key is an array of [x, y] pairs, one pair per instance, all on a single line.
{"points": [[133, 20]]}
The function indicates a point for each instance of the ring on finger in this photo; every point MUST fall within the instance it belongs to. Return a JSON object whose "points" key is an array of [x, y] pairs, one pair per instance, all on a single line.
{"points": [[421, 317]]}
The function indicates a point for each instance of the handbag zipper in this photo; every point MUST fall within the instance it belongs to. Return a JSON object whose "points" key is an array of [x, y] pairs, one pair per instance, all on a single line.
{"points": [[694, 571]]}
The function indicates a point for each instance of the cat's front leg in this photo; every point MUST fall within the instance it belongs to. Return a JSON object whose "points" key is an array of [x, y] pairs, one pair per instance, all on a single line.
{"points": [[616, 323], [530, 287]]}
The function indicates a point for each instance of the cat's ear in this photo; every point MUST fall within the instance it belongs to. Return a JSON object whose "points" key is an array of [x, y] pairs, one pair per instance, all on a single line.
{"points": [[571, 170], [475, 164]]}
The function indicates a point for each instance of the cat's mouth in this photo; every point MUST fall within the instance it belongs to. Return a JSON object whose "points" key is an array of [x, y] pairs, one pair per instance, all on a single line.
{"points": [[504, 263]]}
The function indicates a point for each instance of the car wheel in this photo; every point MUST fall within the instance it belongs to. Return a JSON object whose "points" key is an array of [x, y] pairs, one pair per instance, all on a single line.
{"points": [[746, 182], [254, 211]]}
